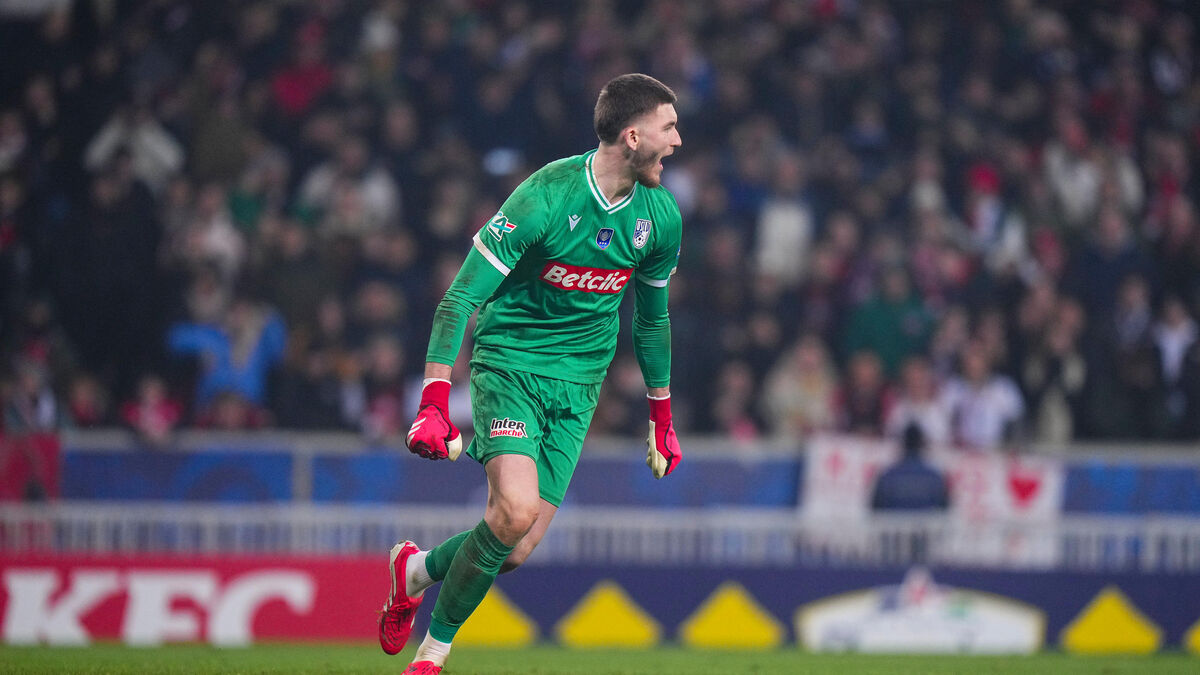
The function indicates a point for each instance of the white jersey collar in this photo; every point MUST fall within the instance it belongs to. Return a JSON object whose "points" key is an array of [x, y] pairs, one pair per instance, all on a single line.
{"points": [[594, 187]]}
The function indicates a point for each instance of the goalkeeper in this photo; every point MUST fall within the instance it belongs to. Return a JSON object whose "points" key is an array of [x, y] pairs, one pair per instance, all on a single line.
{"points": [[547, 274]]}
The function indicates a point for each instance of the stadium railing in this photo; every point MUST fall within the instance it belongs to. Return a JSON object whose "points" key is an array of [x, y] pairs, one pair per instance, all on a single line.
{"points": [[588, 535]]}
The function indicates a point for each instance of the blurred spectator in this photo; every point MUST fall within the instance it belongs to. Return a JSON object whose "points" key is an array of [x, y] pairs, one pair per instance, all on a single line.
{"points": [[378, 309], [356, 195], [863, 399], [294, 276], [1126, 394], [87, 402], [894, 324], [1178, 251], [949, 340], [208, 296], [31, 406], [153, 415], [299, 85], [392, 258], [1034, 314], [1176, 337], [230, 411], [236, 356], [985, 406], [261, 190], [823, 297], [155, 154], [1100, 266], [15, 252], [941, 267], [219, 142], [1080, 173], [911, 484], [384, 414], [210, 236], [1173, 61], [450, 214], [321, 387], [732, 412], [40, 338], [1053, 377], [920, 402], [991, 331], [786, 226], [14, 141], [798, 397], [108, 265]]}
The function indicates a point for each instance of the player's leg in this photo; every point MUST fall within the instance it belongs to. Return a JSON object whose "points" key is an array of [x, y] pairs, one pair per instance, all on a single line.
{"points": [[520, 554], [555, 468], [417, 570], [508, 420], [568, 414], [512, 511]]}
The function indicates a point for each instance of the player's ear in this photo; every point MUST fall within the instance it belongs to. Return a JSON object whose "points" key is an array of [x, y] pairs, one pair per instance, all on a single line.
{"points": [[631, 137]]}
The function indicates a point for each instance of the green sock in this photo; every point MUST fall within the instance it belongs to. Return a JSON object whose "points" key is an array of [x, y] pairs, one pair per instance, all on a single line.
{"points": [[471, 574], [437, 561]]}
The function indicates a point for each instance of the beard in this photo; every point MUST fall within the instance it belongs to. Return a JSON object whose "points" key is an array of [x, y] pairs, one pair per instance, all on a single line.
{"points": [[643, 164]]}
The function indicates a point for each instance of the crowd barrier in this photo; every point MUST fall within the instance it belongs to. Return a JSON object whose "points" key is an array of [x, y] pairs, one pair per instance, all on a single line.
{"points": [[745, 537]]}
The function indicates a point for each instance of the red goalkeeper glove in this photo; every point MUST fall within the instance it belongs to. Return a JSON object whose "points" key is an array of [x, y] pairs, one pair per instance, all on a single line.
{"points": [[663, 453], [433, 435]]}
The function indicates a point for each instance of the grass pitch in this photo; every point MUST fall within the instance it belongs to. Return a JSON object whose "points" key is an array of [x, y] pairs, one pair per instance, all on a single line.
{"points": [[547, 660]]}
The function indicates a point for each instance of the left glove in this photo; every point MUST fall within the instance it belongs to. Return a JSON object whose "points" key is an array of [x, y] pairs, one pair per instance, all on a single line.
{"points": [[663, 453], [432, 434]]}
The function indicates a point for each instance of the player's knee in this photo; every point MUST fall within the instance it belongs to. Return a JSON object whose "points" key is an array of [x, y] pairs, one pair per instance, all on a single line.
{"points": [[514, 518]]}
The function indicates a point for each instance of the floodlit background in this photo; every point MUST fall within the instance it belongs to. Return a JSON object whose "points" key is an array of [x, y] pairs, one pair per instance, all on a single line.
{"points": [[224, 227]]}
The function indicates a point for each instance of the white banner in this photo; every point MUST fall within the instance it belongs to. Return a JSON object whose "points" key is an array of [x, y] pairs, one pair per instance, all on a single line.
{"points": [[1019, 498]]}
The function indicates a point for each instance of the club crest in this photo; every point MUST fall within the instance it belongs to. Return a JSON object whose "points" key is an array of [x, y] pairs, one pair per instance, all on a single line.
{"points": [[641, 232], [604, 237]]}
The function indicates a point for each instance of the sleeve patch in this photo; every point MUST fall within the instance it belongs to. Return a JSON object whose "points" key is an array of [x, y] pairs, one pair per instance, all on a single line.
{"points": [[500, 225]]}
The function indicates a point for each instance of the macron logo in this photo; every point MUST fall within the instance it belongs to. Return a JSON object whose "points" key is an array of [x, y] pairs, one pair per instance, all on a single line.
{"points": [[508, 427], [586, 279]]}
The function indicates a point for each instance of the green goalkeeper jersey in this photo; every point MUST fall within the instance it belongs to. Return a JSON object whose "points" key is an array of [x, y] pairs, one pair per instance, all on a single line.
{"points": [[567, 256]]}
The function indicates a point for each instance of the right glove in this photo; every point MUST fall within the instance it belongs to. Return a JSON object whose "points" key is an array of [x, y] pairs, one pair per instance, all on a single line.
{"points": [[433, 435]]}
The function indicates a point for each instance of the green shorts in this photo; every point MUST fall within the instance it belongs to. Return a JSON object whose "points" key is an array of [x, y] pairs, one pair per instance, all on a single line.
{"points": [[518, 413]]}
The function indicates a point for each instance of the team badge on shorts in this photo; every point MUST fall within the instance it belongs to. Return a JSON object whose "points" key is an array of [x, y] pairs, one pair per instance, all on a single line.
{"points": [[641, 232], [604, 237], [508, 427]]}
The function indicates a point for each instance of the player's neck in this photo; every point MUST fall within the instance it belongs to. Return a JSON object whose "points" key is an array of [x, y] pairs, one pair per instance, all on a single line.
{"points": [[612, 172]]}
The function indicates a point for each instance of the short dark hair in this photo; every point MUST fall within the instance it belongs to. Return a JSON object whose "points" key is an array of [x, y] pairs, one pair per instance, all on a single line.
{"points": [[914, 440], [624, 99]]}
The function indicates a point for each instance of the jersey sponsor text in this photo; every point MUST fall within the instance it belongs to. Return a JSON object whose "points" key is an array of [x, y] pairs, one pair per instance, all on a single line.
{"points": [[508, 427], [587, 279]]}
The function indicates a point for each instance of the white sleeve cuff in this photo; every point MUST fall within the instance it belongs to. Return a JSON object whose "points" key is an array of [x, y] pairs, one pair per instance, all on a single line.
{"points": [[489, 256]]}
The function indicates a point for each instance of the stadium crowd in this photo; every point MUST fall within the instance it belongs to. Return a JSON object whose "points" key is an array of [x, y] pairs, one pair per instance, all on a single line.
{"points": [[979, 216]]}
